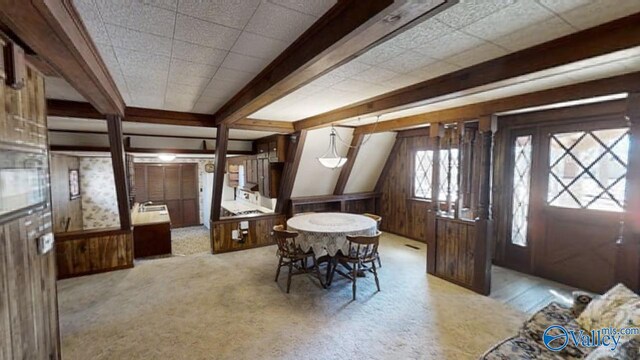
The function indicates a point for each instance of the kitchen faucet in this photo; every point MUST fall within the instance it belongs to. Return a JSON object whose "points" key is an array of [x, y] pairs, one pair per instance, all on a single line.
{"points": [[143, 205]]}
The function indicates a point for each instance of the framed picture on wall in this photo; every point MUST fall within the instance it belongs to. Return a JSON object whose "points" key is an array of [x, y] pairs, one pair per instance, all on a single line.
{"points": [[74, 184]]}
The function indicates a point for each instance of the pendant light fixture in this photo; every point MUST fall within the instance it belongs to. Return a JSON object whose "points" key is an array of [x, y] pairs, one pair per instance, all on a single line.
{"points": [[330, 159]]}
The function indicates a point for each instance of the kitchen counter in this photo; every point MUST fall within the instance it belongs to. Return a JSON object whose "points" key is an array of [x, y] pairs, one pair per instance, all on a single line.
{"points": [[236, 206], [151, 231], [149, 217]]}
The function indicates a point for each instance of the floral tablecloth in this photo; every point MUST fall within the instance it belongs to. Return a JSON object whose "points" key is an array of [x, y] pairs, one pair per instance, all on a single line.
{"points": [[326, 233]]}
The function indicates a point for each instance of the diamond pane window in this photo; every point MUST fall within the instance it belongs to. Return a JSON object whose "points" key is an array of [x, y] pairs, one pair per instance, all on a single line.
{"points": [[449, 164], [521, 190], [587, 169], [423, 174]]}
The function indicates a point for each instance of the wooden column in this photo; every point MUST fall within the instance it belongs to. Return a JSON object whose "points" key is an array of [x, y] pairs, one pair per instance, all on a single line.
{"points": [[345, 172], [114, 127], [628, 254], [484, 223], [294, 154], [222, 140], [436, 132]]}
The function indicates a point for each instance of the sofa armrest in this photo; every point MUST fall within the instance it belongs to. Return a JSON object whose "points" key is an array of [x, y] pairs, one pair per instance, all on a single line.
{"points": [[580, 301]]}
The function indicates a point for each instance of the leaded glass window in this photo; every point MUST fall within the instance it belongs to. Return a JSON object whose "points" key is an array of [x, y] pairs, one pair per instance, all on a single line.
{"points": [[521, 189], [587, 169], [423, 174], [449, 164]]}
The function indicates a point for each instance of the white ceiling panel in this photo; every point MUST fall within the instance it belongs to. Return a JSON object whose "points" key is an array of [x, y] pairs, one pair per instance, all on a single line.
{"points": [[205, 33], [476, 55], [309, 7], [448, 45], [508, 19], [136, 40], [584, 14], [138, 16], [470, 11], [278, 22], [244, 63], [234, 13], [551, 28], [259, 46], [197, 53]]}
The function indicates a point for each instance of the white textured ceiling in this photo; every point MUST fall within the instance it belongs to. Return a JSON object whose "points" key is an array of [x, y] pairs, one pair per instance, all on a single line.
{"points": [[465, 34], [76, 124], [192, 55]]}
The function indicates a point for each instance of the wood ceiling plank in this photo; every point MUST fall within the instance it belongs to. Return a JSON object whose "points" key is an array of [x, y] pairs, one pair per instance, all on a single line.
{"points": [[614, 36], [617, 84], [54, 32], [346, 30]]}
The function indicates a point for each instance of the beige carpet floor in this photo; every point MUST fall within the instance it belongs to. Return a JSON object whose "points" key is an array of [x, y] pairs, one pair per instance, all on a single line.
{"points": [[190, 240], [227, 306]]}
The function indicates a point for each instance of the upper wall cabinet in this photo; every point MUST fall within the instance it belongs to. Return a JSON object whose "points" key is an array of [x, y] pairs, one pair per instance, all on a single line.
{"points": [[272, 147]]}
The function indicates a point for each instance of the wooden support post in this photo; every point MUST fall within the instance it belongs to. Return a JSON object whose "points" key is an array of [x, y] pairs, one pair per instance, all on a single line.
{"points": [[222, 140], [484, 223], [296, 144], [436, 132], [345, 172], [114, 127], [628, 251]]}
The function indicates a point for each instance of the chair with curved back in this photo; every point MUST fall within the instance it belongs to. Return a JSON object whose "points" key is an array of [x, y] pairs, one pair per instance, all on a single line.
{"points": [[378, 220], [292, 256], [363, 253]]}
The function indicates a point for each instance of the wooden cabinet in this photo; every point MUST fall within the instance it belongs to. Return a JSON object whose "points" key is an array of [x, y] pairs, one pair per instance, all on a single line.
{"points": [[273, 148], [269, 175]]}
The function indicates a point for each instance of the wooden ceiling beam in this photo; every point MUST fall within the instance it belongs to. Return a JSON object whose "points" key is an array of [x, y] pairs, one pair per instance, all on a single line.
{"points": [[83, 110], [614, 36], [613, 85], [349, 28], [54, 32]]}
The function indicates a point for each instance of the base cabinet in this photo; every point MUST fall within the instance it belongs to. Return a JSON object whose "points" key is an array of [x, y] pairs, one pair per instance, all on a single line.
{"points": [[151, 240]]}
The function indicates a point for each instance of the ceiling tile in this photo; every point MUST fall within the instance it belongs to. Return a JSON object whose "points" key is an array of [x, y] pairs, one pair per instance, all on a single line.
{"points": [[433, 70], [234, 13], [278, 22], [147, 101], [509, 19], [205, 33], [147, 87], [358, 86], [167, 4], [400, 81], [233, 75], [421, 34], [470, 11], [140, 41], [244, 63], [208, 105], [308, 90], [535, 34], [197, 53], [350, 69], [593, 13], [259, 46], [484, 52], [138, 16], [311, 7], [174, 88], [375, 75], [218, 88], [380, 53], [407, 62], [135, 63], [187, 68], [180, 78], [328, 79], [449, 45], [92, 20]]}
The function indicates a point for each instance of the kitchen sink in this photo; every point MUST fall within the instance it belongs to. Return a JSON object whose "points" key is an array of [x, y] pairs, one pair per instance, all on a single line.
{"points": [[152, 208]]}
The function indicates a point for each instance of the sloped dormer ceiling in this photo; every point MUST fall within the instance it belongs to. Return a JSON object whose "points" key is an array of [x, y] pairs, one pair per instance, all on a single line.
{"points": [[372, 156], [192, 55]]}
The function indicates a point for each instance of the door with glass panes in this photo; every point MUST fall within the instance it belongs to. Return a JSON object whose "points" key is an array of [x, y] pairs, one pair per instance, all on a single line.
{"points": [[568, 187]]}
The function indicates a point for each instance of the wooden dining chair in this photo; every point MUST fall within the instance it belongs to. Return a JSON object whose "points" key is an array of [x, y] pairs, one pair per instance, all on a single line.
{"points": [[363, 252], [292, 256], [378, 220]]}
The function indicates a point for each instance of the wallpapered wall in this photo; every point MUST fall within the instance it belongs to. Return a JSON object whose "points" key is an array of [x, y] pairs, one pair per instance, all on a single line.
{"points": [[99, 201]]}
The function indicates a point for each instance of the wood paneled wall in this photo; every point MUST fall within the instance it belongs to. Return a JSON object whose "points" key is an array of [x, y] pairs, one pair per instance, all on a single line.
{"points": [[401, 213], [64, 209], [259, 233], [91, 252], [455, 250], [28, 299], [357, 203]]}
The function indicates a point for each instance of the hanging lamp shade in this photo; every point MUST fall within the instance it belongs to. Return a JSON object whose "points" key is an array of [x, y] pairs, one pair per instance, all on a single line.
{"points": [[330, 159]]}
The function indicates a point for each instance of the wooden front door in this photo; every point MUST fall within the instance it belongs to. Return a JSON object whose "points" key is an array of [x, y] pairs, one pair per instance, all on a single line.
{"points": [[568, 185], [175, 185]]}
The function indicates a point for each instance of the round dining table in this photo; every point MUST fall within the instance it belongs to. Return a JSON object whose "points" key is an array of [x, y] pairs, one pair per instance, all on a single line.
{"points": [[326, 233]]}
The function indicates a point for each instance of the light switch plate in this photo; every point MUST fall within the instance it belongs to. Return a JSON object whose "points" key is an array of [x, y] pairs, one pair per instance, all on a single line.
{"points": [[244, 225], [45, 243]]}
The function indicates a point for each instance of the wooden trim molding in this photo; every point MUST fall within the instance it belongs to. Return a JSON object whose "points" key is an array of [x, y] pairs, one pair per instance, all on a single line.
{"points": [[54, 31], [349, 28], [144, 150], [614, 36], [613, 85]]}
